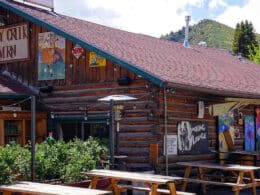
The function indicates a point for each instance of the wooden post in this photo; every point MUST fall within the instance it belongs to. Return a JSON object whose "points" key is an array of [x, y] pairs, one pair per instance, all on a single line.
{"points": [[112, 134]]}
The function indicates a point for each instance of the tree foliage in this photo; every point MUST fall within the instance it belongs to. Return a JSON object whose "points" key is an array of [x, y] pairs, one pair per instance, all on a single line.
{"points": [[215, 34], [60, 160], [254, 54], [244, 39]]}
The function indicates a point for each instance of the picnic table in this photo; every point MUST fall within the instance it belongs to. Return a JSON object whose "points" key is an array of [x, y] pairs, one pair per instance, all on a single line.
{"points": [[242, 157], [242, 176], [152, 181], [33, 188]]}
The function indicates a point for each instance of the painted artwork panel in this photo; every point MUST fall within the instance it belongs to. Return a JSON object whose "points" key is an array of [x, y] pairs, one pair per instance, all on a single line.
{"points": [[51, 56], [258, 127], [226, 133], [249, 126], [192, 137]]}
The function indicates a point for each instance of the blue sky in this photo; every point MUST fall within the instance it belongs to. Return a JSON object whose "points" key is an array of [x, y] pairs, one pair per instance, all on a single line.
{"points": [[157, 17]]}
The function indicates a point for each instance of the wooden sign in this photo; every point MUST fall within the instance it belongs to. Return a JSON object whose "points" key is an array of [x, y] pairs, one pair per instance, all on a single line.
{"points": [[96, 60], [14, 43]]}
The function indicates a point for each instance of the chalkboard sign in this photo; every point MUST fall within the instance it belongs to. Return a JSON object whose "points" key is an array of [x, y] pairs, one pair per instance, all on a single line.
{"points": [[192, 137]]}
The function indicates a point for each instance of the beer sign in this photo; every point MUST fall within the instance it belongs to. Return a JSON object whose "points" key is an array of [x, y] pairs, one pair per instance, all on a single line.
{"points": [[14, 43]]}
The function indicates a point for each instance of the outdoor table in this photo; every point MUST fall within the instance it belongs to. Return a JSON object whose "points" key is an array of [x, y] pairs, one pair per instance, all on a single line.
{"points": [[242, 157], [238, 173], [151, 180], [33, 188]]}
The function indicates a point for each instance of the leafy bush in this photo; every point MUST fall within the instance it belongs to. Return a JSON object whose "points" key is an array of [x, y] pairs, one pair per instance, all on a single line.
{"points": [[60, 160], [14, 162]]}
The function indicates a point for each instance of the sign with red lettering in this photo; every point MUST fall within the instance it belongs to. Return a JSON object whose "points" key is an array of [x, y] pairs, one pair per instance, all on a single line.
{"points": [[14, 43], [77, 51]]}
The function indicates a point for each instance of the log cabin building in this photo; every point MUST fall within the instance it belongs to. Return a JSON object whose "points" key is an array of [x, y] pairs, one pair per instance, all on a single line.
{"points": [[188, 100]]}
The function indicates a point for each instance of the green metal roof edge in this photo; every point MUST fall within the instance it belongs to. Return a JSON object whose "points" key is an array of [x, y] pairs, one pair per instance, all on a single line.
{"points": [[152, 78], [13, 96], [100, 118]]}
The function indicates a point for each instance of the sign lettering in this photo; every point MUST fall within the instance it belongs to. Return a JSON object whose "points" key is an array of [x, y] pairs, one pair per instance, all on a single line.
{"points": [[14, 43]]}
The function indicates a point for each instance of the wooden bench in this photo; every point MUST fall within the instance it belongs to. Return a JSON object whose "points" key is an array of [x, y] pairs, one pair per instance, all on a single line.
{"points": [[147, 189], [218, 183], [152, 180], [237, 173], [33, 188]]}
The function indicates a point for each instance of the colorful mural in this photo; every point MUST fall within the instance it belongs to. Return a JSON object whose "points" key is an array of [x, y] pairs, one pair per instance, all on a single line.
{"points": [[258, 127], [226, 133], [249, 126], [51, 56], [192, 137]]}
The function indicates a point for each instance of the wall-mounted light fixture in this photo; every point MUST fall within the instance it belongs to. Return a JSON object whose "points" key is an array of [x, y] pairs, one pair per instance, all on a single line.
{"points": [[46, 89], [52, 115], [14, 114], [124, 80], [86, 114]]}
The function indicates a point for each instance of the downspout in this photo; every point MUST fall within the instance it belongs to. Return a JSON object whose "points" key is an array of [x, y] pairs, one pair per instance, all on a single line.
{"points": [[165, 129]]}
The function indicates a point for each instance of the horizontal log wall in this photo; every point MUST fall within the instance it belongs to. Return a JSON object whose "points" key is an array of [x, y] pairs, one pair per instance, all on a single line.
{"points": [[183, 105]]}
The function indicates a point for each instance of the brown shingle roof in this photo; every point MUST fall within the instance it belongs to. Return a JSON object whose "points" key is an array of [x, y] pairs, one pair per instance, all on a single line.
{"points": [[196, 68]]}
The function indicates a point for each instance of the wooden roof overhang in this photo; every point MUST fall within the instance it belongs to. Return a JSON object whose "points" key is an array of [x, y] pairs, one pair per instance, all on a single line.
{"points": [[231, 104]]}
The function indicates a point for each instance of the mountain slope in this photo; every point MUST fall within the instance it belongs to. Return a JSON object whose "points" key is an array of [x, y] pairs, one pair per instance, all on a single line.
{"points": [[213, 33]]}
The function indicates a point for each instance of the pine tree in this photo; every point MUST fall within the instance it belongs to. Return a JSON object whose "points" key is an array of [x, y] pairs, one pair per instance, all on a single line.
{"points": [[236, 39], [244, 39], [254, 54]]}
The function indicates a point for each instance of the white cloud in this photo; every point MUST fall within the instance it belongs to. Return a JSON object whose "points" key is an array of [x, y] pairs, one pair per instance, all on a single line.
{"points": [[156, 17], [235, 14], [217, 3], [153, 17]]}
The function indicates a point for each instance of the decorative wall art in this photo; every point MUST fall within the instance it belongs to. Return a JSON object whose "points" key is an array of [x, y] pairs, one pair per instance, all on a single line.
{"points": [[77, 51], [258, 127], [192, 137], [96, 60], [51, 56], [226, 133], [249, 126]]}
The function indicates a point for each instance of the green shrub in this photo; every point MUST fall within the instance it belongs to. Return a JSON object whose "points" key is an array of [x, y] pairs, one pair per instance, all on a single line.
{"points": [[14, 162], [60, 160]]}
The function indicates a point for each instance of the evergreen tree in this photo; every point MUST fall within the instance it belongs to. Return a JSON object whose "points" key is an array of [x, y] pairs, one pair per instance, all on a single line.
{"points": [[254, 54], [236, 39], [244, 39]]}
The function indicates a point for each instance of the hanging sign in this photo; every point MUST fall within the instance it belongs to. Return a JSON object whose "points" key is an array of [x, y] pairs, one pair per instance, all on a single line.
{"points": [[96, 60], [77, 51], [14, 43]]}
